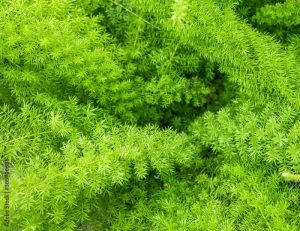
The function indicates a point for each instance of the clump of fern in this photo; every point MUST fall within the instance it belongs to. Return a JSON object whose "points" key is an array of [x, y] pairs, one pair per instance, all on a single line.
{"points": [[91, 92]]}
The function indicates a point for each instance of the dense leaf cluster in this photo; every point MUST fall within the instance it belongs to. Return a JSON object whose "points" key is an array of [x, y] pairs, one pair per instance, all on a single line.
{"points": [[150, 115]]}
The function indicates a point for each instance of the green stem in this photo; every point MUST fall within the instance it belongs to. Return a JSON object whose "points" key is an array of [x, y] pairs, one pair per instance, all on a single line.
{"points": [[172, 55], [23, 137], [131, 12]]}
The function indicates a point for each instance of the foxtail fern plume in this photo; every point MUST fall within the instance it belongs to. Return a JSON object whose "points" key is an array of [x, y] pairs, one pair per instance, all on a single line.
{"points": [[149, 115], [179, 10]]}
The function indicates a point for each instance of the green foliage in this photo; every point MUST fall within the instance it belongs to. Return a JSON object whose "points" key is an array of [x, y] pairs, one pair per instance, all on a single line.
{"points": [[281, 14], [150, 115], [67, 156], [258, 143], [172, 72], [280, 19]]}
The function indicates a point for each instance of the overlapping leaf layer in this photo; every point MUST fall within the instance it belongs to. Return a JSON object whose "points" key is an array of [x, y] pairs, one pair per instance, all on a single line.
{"points": [[150, 115]]}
